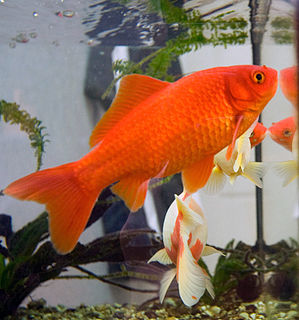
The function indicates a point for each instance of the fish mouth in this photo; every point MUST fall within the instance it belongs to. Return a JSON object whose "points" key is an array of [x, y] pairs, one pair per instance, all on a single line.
{"points": [[272, 135]]}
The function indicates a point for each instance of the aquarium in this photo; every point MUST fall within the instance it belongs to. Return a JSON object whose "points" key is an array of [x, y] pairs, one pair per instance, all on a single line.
{"points": [[154, 143]]}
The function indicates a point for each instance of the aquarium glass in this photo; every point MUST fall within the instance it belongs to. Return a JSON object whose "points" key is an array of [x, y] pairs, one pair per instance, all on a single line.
{"points": [[232, 246]]}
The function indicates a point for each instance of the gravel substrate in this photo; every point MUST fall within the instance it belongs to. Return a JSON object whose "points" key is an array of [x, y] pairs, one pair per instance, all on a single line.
{"points": [[171, 309]]}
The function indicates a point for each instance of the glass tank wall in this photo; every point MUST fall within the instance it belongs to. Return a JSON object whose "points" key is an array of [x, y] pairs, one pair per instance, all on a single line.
{"points": [[228, 250]]}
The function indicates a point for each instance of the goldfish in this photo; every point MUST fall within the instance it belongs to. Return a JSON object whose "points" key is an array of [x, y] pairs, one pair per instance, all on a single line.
{"points": [[152, 129], [239, 163], [288, 84], [184, 236], [289, 169], [258, 134], [283, 132]]}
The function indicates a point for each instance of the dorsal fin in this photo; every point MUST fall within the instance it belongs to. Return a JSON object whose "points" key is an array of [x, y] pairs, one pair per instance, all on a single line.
{"points": [[133, 89]]}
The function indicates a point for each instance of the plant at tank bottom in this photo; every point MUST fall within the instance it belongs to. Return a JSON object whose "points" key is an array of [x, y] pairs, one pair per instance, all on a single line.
{"points": [[245, 272], [28, 258]]}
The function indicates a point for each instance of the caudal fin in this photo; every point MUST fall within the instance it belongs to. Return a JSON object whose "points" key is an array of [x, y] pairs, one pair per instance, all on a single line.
{"points": [[288, 170], [216, 181], [68, 204]]}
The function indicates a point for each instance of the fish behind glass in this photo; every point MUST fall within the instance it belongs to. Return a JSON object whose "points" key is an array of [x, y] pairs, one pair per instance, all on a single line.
{"points": [[152, 129]]}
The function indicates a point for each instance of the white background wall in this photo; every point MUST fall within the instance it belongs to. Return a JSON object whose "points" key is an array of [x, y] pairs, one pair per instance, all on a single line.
{"points": [[48, 80]]}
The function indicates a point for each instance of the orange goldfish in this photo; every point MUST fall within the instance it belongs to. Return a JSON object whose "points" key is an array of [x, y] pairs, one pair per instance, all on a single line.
{"points": [[258, 134], [185, 234], [283, 132], [152, 129], [288, 84], [289, 170]]}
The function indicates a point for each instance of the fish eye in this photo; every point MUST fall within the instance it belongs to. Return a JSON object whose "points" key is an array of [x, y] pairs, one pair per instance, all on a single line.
{"points": [[258, 77], [287, 132], [252, 134]]}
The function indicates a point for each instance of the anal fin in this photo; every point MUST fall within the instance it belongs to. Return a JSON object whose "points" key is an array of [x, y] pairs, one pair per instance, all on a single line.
{"points": [[132, 189], [196, 176]]}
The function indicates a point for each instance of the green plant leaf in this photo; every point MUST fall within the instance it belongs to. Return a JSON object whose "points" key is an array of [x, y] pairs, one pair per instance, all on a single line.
{"points": [[25, 241], [11, 113]]}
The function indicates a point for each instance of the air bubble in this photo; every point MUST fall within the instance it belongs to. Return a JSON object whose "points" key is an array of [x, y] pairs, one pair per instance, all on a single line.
{"points": [[12, 44], [90, 42], [22, 38], [33, 35], [68, 13], [65, 13]]}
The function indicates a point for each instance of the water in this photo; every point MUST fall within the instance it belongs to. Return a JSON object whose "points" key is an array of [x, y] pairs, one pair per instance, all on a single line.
{"points": [[57, 65]]}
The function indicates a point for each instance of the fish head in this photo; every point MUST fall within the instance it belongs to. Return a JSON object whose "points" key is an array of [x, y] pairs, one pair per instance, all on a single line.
{"points": [[288, 84], [251, 87], [258, 134], [248, 90], [283, 132]]}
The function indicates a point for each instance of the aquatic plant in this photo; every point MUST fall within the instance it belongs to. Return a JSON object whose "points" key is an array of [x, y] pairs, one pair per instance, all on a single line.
{"points": [[242, 271], [12, 114], [283, 32], [193, 31], [28, 259]]}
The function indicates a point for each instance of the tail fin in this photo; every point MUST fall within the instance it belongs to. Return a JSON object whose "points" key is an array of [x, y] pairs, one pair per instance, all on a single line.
{"points": [[216, 181], [68, 204], [255, 171], [288, 170]]}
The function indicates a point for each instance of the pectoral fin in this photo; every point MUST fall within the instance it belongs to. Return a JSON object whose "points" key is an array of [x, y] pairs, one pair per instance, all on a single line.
{"points": [[209, 285], [235, 135], [196, 176], [160, 256], [166, 282], [210, 250]]}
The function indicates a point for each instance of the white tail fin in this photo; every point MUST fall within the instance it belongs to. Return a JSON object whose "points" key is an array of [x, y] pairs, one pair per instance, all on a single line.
{"points": [[254, 172], [191, 280], [288, 170], [216, 181]]}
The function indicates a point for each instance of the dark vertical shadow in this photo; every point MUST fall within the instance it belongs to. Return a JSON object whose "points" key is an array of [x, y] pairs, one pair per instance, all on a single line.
{"points": [[259, 14]]}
